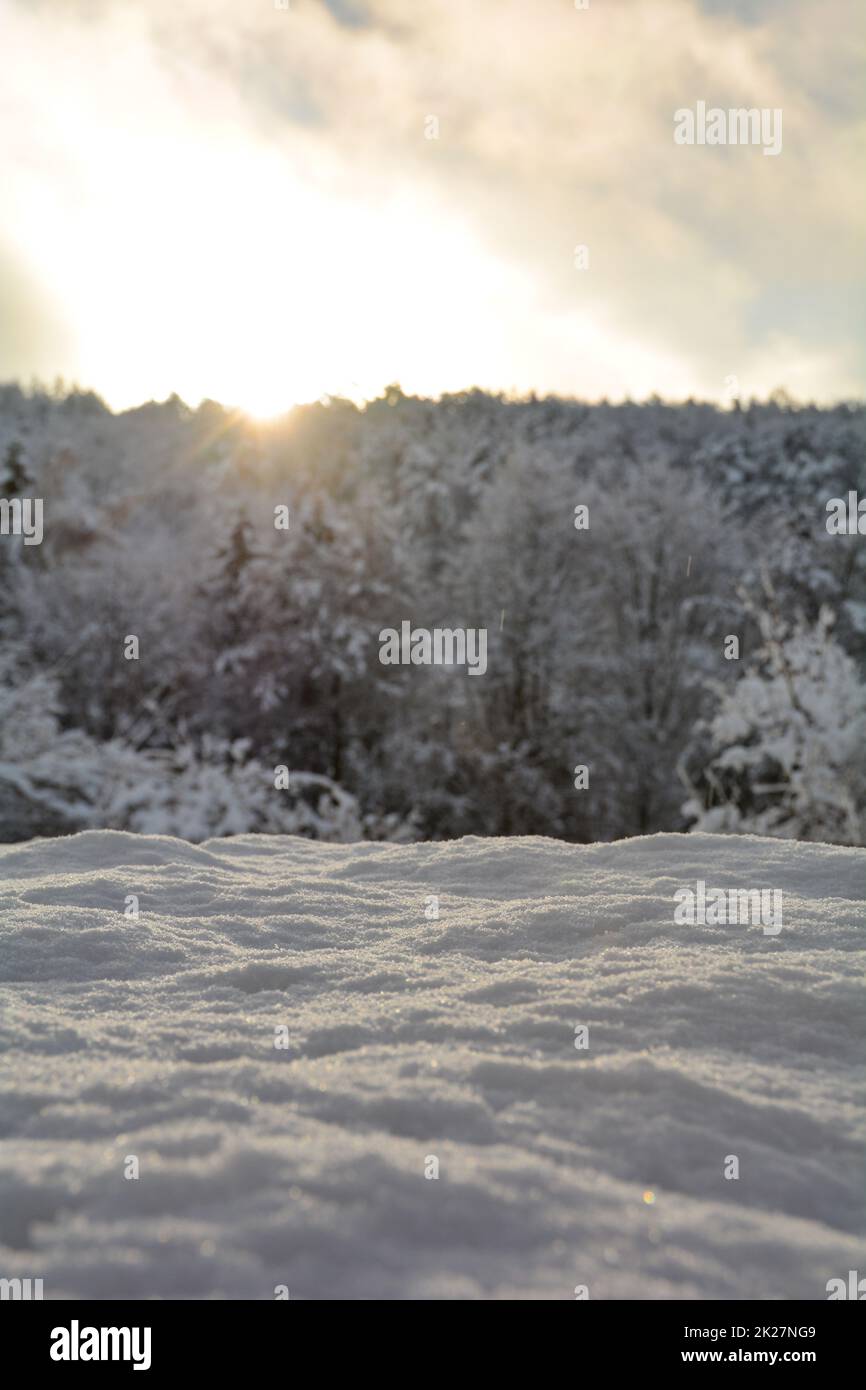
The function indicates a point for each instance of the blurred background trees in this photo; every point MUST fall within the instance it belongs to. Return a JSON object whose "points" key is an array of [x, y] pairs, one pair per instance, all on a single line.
{"points": [[259, 646]]}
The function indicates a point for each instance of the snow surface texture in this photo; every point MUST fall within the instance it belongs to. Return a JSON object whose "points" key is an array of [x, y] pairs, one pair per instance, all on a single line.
{"points": [[413, 1037]]}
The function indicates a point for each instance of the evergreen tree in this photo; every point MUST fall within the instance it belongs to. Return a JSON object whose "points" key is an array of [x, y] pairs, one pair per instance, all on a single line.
{"points": [[15, 478]]}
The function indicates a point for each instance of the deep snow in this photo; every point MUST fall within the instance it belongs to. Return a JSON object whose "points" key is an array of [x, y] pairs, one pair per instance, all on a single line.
{"points": [[413, 1037]]}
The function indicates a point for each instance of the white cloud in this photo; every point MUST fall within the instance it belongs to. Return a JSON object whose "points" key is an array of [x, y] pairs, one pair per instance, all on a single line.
{"points": [[239, 170]]}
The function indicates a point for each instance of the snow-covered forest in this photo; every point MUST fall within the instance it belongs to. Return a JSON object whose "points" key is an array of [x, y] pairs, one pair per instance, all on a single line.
{"points": [[612, 553]]}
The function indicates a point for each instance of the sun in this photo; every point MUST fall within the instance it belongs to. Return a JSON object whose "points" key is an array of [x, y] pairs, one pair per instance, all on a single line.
{"points": [[263, 402], [260, 284]]}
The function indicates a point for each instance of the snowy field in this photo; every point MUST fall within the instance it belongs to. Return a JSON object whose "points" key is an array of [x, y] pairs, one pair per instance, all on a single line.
{"points": [[412, 1038]]}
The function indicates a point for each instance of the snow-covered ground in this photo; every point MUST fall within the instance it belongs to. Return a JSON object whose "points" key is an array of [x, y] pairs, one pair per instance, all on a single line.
{"points": [[412, 1038]]}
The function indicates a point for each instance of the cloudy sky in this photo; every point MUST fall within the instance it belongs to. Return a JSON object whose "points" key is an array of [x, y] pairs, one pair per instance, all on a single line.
{"points": [[225, 198]]}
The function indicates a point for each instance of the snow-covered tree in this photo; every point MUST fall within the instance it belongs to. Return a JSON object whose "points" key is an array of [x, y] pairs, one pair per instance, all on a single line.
{"points": [[58, 781], [786, 740]]}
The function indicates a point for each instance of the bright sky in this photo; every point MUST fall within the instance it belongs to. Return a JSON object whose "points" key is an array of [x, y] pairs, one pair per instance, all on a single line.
{"points": [[224, 198]]}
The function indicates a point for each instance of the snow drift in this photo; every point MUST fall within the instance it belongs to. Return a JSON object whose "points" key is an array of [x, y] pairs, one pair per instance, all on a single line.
{"points": [[412, 1037]]}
